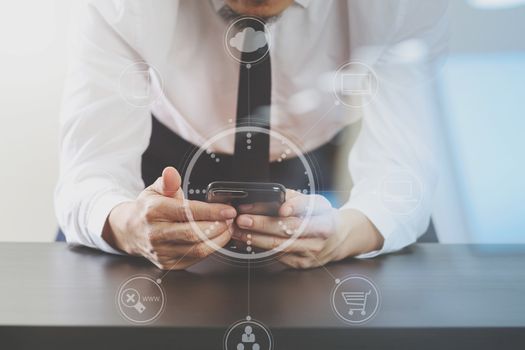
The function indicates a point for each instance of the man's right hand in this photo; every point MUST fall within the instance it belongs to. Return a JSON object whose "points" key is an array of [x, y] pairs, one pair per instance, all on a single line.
{"points": [[157, 225]]}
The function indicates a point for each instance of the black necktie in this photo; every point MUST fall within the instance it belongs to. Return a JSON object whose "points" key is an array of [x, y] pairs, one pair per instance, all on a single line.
{"points": [[252, 148]]}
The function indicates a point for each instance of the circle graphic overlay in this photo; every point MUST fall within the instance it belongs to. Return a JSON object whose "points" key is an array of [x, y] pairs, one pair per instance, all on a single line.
{"points": [[245, 42], [215, 165], [401, 192], [138, 84], [355, 84], [355, 299], [140, 299], [248, 334]]}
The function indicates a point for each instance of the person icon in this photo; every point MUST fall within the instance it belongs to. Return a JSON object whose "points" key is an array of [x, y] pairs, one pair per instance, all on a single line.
{"points": [[255, 346], [248, 336]]}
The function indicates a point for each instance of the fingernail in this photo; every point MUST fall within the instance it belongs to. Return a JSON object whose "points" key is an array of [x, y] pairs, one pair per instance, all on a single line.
{"points": [[244, 221], [287, 211], [228, 213]]}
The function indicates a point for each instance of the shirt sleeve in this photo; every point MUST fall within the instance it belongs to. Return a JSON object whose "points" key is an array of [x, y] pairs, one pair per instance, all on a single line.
{"points": [[393, 163], [102, 134]]}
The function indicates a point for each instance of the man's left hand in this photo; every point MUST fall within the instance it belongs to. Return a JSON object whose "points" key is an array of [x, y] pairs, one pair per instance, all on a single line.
{"points": [[327, 234]]}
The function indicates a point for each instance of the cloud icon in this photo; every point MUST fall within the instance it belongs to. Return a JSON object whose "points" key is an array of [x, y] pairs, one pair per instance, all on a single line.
{"points": [[248, 40]]}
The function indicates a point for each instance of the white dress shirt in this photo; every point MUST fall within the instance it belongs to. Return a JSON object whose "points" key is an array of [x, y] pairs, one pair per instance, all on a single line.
{"points": [[194, 81]]}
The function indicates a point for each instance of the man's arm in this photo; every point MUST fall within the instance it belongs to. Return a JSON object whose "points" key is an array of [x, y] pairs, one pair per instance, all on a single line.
{"points": [[396, 146], [396, 143], [102, 136], [100, 198]]}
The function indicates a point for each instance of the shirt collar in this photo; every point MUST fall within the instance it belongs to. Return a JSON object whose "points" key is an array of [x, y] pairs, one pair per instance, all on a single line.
{"points": [[218, 4]]}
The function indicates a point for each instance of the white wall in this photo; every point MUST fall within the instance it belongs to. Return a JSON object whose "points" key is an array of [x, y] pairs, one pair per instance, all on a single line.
{"points": [[488, 36], [32, 68]]}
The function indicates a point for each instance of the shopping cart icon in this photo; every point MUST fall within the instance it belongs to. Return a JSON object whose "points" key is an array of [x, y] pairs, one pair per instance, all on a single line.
{"points": [[356, 301]]}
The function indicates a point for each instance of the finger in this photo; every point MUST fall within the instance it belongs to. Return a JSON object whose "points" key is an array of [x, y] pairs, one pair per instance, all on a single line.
{"points": [[298, 261], [292, 193], [202, 250], [169, 209], [269, 242], [168, 184], [284, 227], [169, 250], [321, 226], [301, 204], [174, 264], [186, 232]]}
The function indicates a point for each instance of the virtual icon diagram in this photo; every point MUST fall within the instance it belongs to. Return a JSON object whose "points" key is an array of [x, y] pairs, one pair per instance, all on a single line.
{"points": [[248, 338], [401, 192], [248, 335], [355, 84], [136, 84], [247, 40], [355, 299], [131, 298], [140, 299], [196, 186]]}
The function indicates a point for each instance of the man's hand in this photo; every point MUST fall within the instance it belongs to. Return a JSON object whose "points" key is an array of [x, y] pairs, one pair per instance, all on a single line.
{"points": [[156, 225], [329, 234]]}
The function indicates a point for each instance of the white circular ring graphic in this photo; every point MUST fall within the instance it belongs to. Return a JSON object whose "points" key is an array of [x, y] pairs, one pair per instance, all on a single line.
{"points": [[306, 218]]}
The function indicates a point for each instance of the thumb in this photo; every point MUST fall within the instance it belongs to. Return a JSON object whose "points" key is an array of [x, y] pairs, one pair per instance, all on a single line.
{"points": [[169, 183]]}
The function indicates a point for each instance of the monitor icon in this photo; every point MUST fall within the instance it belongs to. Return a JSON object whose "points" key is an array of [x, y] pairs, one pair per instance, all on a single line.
{"points": [[401, 192], [353, 84]]}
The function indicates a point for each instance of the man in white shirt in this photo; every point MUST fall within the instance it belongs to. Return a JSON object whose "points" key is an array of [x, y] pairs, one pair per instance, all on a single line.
{"points": [[177, 52]]}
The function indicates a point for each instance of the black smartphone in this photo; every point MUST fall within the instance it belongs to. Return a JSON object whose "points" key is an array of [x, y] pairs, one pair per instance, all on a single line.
{"points": [[266, 197]]}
